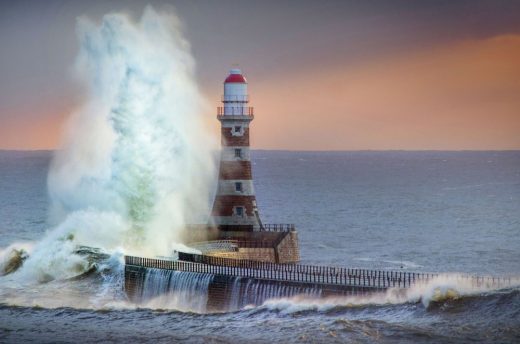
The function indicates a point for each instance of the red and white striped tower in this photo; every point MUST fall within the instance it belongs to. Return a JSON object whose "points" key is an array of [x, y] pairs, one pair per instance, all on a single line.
{"points": [[235, 207]]}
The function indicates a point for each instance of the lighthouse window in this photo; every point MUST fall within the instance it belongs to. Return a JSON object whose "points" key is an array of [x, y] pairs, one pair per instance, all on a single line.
{"points": [[240, 211], [238, 187], [237, 129], [238, 153]]}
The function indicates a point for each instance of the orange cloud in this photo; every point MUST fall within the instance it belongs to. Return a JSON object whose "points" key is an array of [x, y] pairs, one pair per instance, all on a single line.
{"points": [[461, 96], [33, 132]]}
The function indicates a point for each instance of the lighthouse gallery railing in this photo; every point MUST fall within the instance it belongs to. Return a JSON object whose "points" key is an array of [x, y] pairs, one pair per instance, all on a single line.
{"points": [[235, 111]]}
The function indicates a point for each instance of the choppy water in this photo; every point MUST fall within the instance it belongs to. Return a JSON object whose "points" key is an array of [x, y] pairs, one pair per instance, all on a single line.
{"points": [[422, 211]]}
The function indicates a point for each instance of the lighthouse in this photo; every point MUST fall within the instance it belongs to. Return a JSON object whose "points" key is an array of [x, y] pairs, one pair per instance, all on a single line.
{"points": [[234, 208]]}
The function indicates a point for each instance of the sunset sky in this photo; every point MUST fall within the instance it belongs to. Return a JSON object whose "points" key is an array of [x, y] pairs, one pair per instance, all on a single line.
{"points": [[323, 75]]}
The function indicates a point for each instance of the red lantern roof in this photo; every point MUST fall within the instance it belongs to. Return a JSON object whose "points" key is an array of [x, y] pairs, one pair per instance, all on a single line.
{"points": [[235, 76]]}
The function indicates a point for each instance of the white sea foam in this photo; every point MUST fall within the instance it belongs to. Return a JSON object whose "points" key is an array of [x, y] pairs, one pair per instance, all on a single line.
{"points": [[136, 164], [443, 287]]}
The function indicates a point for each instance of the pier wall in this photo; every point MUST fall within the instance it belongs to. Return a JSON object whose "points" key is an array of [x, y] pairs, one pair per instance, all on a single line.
{"points": [[228, 284], [228, 293], [236, 283], [288, 250]]}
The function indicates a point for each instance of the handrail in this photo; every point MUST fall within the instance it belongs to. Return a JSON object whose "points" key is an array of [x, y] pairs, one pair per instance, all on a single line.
{"points": [[235, 111], [255, 244], [233, 242], [276, 227], [317, 274], [215, 246], [347, 277]]}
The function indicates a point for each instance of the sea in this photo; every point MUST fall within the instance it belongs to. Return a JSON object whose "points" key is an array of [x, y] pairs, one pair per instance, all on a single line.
{"points": [[423, 211]]}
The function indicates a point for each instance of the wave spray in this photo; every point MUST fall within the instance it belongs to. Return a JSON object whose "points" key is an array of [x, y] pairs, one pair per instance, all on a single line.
{"points": [[136, 163]]}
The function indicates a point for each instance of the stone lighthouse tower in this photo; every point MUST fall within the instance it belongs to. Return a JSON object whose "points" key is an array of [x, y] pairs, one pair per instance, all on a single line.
{"points": [[235, 207]]}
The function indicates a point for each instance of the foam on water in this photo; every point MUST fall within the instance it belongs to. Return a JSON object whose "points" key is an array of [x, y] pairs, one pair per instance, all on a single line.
{"points": [[437, 289], [248, 293]]}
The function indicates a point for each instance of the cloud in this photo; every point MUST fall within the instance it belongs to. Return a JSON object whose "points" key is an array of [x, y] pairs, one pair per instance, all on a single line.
{"points": [[457, 96], [454, 96], [21, 130]]}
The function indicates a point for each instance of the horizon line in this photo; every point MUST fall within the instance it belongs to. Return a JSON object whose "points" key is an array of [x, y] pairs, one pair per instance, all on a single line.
{"points": [[321, 150]]}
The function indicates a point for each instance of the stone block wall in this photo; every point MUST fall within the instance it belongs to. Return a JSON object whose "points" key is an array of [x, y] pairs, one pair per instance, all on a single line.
{"points": [[288, 249]]}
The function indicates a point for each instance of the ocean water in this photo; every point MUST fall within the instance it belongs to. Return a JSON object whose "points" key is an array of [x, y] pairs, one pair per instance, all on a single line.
{"points": [[415, 211]]}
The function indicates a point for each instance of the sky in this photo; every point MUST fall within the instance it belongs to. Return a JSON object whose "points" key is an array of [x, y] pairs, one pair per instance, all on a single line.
{"points": [[323, 75]]}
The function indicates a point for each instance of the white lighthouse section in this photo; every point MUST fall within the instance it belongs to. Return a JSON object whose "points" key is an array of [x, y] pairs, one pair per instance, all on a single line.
{"points": [[235, 96]]}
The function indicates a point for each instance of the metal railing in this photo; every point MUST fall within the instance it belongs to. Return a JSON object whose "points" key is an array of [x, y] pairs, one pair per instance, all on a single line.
{"points": [[230, 245], [346, 277], [256, 244], [215, 246], [233, 245], [260, 238], [235, 111], [266, 227], [276, 227], [312, 273]]}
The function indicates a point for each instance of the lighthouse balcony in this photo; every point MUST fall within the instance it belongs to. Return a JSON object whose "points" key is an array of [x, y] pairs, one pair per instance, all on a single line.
{"points": [[235, 112]]}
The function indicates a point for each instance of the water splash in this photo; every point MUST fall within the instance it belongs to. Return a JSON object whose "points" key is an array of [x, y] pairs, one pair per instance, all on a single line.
{"points": [[164, 287], [179, 290], [249, 292], [136, 164], [437, 289]]}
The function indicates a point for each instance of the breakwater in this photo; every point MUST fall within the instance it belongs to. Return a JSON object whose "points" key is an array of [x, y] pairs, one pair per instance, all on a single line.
{"points": [[204, 283]]}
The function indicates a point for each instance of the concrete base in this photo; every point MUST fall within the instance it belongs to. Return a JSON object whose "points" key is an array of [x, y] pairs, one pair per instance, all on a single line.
{"points": [[265, 246]]}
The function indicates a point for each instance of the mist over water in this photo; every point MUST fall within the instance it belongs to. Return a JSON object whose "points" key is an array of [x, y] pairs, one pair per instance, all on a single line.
{"points": [[135, 165]]}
